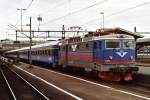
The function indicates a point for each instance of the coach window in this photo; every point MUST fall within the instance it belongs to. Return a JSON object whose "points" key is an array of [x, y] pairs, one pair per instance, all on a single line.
{"points": [[38, 52], [43, 52], [49, 52], [33, 52], [46, 52]]}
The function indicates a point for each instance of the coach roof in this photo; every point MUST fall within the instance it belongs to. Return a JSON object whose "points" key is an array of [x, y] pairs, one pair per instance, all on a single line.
{"points": [[36, 46]]}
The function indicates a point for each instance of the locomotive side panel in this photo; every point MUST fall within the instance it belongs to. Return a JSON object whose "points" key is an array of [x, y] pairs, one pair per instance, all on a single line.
{"points": [[78, 54]]}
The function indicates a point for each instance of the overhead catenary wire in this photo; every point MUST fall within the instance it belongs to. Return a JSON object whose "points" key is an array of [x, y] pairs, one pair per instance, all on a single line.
{"points": [[52, 8], [119, 12], [74, 12], [15, 28], [30, 4]]}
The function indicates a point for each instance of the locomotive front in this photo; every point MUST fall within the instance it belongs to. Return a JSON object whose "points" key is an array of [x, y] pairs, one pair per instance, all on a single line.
{"points": [[117, 58]]}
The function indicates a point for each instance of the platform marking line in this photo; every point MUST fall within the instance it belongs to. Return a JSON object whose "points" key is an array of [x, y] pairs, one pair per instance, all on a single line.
{"points": [[70, 94], [108, 87], [144, 84]]}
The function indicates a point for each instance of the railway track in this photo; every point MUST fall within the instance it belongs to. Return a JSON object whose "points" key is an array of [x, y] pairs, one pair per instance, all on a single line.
{"points": [[5, 91], [17, 88]]}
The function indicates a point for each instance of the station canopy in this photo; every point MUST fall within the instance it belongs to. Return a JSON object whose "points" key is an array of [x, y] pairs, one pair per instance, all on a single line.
{"points": [[143, 42], [119, 30]]}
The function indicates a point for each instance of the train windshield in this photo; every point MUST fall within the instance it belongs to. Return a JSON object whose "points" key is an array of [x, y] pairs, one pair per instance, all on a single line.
{"points": [[112, 44], [128, 44]]}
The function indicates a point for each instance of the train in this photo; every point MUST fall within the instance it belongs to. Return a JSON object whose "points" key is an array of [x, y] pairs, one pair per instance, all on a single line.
{"points": [[109, 55]]}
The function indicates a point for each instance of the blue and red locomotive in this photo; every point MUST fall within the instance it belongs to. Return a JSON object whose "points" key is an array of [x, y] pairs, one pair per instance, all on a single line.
{"points": [[110, 55]]}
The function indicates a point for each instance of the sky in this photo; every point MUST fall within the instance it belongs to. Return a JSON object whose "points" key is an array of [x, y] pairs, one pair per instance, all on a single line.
{"points": [[126, 14]]}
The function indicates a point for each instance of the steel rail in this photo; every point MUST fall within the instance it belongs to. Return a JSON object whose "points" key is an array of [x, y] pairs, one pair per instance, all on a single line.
{"points": [[44, 96], [12, 93]]}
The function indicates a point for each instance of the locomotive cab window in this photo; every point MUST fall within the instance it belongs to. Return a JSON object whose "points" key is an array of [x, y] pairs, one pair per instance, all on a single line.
{"points": [[128, 44], [112, 44]]}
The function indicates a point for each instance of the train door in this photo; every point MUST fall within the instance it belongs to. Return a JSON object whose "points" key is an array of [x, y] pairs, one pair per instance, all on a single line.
{"points": [[97, 51], [95, 56], [63, 55]]}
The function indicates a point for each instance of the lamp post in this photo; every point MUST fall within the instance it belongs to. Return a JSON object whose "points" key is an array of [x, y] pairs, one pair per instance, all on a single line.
{"points": [[103, 19], [21, 17]]}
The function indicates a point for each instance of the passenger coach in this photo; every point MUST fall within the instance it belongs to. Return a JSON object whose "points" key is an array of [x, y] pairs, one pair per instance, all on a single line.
{"points": [[44, 53]]}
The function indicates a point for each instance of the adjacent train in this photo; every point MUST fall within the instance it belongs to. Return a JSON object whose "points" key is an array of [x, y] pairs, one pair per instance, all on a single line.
{"points": [[111, 56]]}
